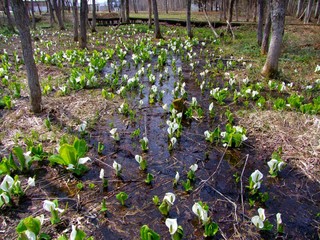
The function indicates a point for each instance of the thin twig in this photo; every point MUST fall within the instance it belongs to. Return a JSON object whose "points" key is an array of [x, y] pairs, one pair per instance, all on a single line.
{"points": [[212, 28], [241, 184], [211, 176]]}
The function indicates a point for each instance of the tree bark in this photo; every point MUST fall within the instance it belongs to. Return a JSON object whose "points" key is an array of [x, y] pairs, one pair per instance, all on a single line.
{"points": [[317, 10], [266, 32], [260, 21], [122, 11], [83, 23], [278, 10], [307, 16], [237, 10], [231, 3], [22, 22], [150, 13], [189, 31], [32, 14], [135, 9], [94, 16], [299, 8], [62, 10], [166, 6], [52, 18], [127, 20], [9, 19], [75, 21], [157, 33], [58, 14]]}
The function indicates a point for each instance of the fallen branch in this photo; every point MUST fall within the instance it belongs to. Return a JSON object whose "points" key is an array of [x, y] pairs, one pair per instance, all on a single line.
{"points": [[230, 29], [212, 28]]}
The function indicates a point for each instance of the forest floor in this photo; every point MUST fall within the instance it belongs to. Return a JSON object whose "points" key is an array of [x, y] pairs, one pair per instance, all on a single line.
{"points": [[92, 86]]}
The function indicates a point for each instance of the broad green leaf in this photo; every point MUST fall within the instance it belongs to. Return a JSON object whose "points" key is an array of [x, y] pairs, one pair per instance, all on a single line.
{"points": [[81, 147], [19, 154], [57, 159], [69, 154]]}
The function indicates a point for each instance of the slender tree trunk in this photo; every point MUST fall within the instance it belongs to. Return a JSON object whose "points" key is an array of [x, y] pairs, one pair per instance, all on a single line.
{"points": [[254, 17], [237, 10], [150, 13], [260, 21], [225, 8], [32, 14], [307, 16], [166, 6], [266, 32], [122, 11], [75, 21], [231, 3], [58, 14], [317, 10], [157, 33], [52, 18], [47, 6], [299, 8], [83, 23], [135, 9], [94, 16], [9, 18], [62, 4], [109, 6], [127, 12], [22, 22], [189, 32], [39, 9], [248, 10], [278, 10]]}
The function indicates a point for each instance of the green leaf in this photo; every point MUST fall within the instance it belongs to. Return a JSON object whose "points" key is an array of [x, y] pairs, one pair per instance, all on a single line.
{"points": [[81, 147], [19, 154], [210, 229], [29, 223], [57, 159], [147, 234], [69, 154]]}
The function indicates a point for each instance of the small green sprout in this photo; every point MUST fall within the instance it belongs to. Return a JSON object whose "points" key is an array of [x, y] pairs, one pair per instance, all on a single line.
{"points": [[122, 197]]}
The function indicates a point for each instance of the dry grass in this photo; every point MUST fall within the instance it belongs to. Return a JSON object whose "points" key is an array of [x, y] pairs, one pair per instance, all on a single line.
{"points": [[296, 133]]}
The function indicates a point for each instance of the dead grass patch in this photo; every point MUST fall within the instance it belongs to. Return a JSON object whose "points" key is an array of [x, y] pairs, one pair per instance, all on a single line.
{"points": [[296, 133]]}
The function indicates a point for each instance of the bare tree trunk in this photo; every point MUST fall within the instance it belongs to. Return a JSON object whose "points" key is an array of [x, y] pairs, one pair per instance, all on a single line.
{"points": [[166, 6], [248, 10], [317, 10], [94, 16], [109, 6], [127, 20], [237, 10], [266, 32], [254, 17], [83, 23], [75, 21], [189, 32], [135, 9], [58, 14], [299, 8], [157, 33], [260, 21], [231, 3], [22, 21], [32, 14], [307, 16], [52, 18], [150, 13], [39, 9], [9, 19], [225, 8], [278, 10], [62, 4]]}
